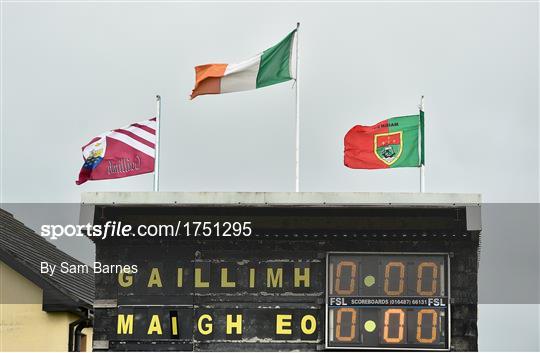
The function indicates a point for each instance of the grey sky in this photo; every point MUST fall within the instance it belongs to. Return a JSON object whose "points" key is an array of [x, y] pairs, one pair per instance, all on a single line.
{"points": [[73, 70]]}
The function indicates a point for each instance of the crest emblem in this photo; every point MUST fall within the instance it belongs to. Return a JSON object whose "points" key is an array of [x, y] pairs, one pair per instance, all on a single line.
{"points": [[94, 154], [388, 146]]}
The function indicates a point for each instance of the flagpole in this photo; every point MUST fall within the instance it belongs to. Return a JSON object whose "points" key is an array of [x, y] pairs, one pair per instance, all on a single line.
{"points": [[158, 144], [422, 167], [297, 175]]}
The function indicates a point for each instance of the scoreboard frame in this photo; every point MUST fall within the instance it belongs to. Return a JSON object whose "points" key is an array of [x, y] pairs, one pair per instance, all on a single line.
{"points": [[448, 328], [303, 230]]}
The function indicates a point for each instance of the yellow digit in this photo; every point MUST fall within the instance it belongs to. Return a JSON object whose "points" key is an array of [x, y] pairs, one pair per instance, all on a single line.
{"points": [[352, 334], [420, 276], [421, 314], [387, 270], [352, 284], [386, 335]]}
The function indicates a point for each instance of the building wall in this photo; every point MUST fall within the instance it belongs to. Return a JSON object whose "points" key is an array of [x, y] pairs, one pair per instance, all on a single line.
{"points": [[24, 326]]}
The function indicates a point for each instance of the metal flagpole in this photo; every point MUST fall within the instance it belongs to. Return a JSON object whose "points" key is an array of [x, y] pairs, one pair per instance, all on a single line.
{"points": [[421, 143], [297, 188], [158, 144]]}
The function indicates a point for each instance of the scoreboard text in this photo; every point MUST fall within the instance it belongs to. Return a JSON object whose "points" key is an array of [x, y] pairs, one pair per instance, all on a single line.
{"points": [[387, 301], [373, 300]]}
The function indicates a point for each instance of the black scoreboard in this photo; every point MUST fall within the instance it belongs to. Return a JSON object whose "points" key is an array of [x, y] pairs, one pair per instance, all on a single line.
{"points": [[305, 279], [387, 300]]}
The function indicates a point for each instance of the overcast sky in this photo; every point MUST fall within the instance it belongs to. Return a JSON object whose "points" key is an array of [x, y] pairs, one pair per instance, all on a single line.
{"points": [[71, 71]]}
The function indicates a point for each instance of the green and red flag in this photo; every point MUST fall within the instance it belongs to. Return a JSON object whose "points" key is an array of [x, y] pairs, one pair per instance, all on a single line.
{"points": [[392, 143]]}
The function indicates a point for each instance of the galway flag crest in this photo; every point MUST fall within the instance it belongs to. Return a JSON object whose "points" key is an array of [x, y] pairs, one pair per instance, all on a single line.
{"points": [[120, 153], [392, 143], [274, 65]]}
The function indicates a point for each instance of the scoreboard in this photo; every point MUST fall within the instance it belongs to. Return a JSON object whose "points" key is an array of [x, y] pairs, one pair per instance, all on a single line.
{"points": [[387, 301], [325, 276]]}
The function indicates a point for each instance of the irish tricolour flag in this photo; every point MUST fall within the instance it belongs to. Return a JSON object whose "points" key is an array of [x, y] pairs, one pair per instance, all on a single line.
{"points": [[274, 65], [392, 143]]}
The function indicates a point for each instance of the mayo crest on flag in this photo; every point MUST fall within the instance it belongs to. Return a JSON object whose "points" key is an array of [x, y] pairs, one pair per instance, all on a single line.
{"points": [[392, 143], [120, 153], [275, 65]]}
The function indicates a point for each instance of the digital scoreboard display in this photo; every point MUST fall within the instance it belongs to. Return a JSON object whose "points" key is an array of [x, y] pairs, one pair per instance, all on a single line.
{"points": [[388, 301]]}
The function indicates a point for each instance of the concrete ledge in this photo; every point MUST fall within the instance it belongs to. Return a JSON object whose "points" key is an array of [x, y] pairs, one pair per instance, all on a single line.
{"points": [[277, 198]]}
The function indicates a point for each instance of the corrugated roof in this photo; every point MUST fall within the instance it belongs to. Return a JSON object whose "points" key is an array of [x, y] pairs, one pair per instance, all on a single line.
{"points": [[28, 250]]}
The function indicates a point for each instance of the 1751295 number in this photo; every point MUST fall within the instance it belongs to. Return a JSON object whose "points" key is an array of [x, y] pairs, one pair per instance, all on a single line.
{"points": [[217, 229]]}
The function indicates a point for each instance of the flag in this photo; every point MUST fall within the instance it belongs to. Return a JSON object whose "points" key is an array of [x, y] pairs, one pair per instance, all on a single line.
{"points": [[392, 143], [120, 153], [274, 65]]}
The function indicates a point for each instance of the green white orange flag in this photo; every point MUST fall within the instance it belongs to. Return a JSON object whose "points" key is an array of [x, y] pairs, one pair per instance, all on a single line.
{"points": [[274, 65], [392, 143]]}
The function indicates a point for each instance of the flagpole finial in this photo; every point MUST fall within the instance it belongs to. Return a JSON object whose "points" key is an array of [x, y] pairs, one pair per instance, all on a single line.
{"points": [[158, 97], [297, 24], [421, 106]]}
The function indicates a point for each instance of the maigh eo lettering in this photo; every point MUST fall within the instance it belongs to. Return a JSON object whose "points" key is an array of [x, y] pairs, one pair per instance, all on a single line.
{"points": [[269, 277], [283, 324]]}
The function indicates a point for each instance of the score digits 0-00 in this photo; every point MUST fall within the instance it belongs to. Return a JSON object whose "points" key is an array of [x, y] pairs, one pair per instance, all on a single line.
{"points": [[388, 301]]}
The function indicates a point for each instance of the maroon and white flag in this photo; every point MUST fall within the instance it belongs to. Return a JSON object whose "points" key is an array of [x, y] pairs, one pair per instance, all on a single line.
{"points": [[120, 153]]}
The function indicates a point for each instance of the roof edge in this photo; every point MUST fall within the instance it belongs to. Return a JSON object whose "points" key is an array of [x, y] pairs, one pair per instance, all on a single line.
{"points": [[46, 285], [277, 198]]}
